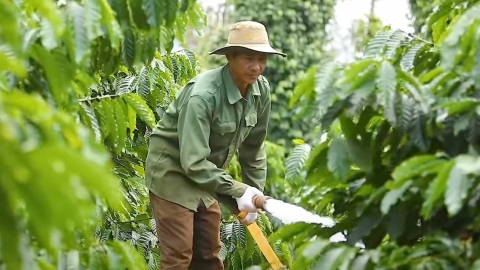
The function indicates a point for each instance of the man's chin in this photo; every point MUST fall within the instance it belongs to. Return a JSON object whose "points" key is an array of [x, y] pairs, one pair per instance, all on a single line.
{"points": [[252, 80]]}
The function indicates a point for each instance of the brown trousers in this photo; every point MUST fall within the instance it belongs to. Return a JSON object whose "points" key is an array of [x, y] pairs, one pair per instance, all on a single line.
{"points": [[188, 240]]}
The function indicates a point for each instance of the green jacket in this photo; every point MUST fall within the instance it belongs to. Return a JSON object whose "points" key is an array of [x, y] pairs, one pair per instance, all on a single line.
{"points": [[200, 132]]}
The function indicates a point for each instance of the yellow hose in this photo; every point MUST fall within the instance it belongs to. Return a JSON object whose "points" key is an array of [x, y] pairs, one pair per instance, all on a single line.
{"points": [[263, 244]]}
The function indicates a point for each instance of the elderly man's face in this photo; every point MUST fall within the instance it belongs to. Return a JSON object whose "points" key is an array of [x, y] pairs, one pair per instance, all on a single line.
{"points": [[246, 66]]}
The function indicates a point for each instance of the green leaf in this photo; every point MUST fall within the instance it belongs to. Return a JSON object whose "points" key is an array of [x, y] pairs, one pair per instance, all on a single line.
{"points": [[392, 197], [92, 121], [325, 77], [436, 189], [128, 48], [387, 82], [56, 75], [418, 165], [9, 24], [9, 231], [123, 256], [331, 259], [308, 253], [476, 265], [287, 232], [359, 153], [171, 11], [461, 106], [457, 190], [417, 132], [250, 245], [360, 262], [332, 113], [365, 224], [376, 45], [450, 49], [80, 31], [110, 121], [155, 11], [132, 120], [121, 120], [109, 21], [141, 108], [338, 161], [469, 164], [408, 59], [93, 14], [48, 10], [305, 86], [296, 161], [394, 43]]}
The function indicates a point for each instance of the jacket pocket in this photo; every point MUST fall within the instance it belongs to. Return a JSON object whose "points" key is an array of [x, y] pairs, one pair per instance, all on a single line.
{"points": [[223, 133], [224, 128]]}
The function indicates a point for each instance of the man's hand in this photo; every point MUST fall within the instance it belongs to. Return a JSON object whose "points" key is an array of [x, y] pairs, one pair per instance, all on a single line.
{"points": [[249, 219], [245, 203]]}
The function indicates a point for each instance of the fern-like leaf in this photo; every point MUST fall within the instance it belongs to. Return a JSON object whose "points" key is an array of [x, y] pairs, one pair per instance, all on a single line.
{"points": [[376, 45], [80, 31], [240, 238], [386, 82], [417, 131], [92, 119], [338, 160], [325, 77], [141, 108], [332, 113], [128, 47], [108, 109], [304, 87], [296, 161], [142, 84], [407, 108], [171, 8], [155, 11], [125, 85], [121, 115], [223, 251], [395, 41], [409, 58]]}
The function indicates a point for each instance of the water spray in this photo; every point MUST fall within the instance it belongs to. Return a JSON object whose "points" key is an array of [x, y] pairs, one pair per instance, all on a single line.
{"points": [[287, 213]]}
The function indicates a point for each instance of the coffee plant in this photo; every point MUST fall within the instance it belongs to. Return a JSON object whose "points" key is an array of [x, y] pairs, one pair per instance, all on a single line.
{"points": [[396, 166]]}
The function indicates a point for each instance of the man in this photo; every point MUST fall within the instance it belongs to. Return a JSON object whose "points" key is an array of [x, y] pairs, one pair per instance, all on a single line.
{"points": [[217, 113]]}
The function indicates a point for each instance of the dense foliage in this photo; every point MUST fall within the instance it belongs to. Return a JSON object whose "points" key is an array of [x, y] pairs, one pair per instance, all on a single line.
{"points": [[83, 82], [397, 165], [79, 83], [420, 10], [81, 87]]}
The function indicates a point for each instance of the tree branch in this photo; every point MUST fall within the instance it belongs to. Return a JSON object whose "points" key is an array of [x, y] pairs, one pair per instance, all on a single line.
{"points": [[417, 38], [98, 98]]}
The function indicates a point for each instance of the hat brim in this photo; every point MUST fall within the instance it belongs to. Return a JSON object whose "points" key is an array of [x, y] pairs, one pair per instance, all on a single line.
{"points": [[262, 48]]}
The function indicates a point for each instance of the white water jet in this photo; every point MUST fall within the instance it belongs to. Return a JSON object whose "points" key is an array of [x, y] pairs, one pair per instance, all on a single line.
{"points": [[289, 213]]}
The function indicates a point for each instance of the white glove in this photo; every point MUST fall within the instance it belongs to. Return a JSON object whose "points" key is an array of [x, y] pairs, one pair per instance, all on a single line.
{"points": [[245, 203], [249, 218]]}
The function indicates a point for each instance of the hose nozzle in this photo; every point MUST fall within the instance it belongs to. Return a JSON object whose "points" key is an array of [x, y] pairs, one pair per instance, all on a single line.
{"points": [[259, 201]]}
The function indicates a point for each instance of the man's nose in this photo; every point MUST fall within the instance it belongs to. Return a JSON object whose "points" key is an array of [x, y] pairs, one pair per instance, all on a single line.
{"points": [[257, 67]]}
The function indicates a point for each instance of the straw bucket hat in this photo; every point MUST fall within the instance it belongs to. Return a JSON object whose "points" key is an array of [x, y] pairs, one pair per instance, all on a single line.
{"points": [[250, 35]]}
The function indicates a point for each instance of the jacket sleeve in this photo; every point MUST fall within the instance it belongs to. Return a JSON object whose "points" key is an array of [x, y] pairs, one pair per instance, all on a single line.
{"points": [[251, 154], [194, 121]]}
